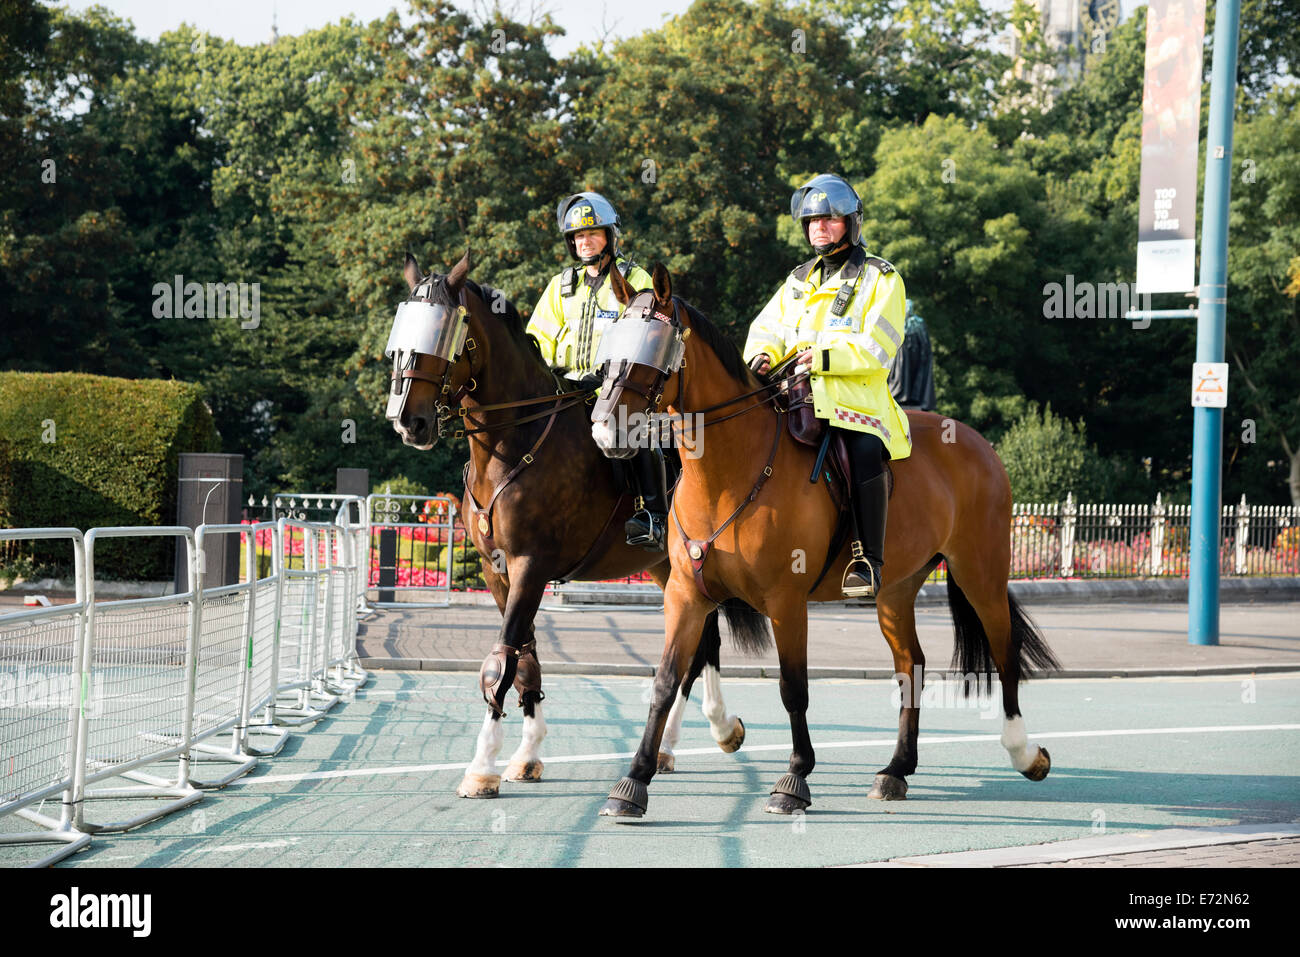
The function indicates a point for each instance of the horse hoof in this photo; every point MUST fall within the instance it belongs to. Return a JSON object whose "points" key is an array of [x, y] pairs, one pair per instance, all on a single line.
{"points": [[735, 739], [667, 763], [479, 786], [789, 794], [886, 787], [628, 800], [785, 804], [524, 771], [1042, 764], [621, 810]]}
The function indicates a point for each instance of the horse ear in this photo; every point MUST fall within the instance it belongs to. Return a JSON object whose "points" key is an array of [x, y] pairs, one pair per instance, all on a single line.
{"points": [[411, 270], [458, 273], [623, 291], [663, 284]]}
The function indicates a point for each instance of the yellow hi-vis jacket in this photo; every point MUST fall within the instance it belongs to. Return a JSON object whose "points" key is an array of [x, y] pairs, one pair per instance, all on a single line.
{"points": [[853, 320], [570, 317]]}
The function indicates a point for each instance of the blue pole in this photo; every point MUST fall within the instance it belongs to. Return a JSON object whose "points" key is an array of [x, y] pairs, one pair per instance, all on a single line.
{"points": [[1207, 423]]}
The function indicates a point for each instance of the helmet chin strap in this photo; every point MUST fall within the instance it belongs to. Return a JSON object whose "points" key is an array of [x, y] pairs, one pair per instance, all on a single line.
{"points": [[594, 260], [829, 248]]}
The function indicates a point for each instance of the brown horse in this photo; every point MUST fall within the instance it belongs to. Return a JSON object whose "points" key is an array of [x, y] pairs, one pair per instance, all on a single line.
{"points": [[541, 502], [759, 533]]}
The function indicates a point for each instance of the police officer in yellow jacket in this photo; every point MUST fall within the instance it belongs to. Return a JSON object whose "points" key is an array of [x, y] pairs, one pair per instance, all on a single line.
{"points": [[842, 313], [567, 324]]}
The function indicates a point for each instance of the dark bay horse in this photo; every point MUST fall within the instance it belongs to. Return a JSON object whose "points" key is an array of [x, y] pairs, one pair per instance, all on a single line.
{"points": [[541, 501], [740, 527]]}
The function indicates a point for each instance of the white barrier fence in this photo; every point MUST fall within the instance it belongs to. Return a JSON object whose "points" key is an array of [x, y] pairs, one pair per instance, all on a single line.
{"points": [[210, 677]]}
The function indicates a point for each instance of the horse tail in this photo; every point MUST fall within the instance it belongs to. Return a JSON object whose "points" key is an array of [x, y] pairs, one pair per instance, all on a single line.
{"points": [[749, 632], [1034, 652], [971, 654]]}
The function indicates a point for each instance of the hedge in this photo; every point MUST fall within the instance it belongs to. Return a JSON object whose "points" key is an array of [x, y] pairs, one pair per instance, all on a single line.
{"points": [[86, 450]]}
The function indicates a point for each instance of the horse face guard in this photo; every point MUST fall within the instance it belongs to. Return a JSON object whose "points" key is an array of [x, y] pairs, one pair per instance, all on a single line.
{"points": [[641, 336], [424, 327]]}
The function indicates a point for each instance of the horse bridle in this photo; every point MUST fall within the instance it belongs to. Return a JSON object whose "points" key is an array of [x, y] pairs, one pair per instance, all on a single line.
{"points": [[653, 393], [451, 387]]}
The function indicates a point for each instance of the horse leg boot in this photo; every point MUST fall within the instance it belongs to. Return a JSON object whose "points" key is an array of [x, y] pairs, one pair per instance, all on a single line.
{"points": [[648, 524], [498, 673], [870, 501], [526, 763]]}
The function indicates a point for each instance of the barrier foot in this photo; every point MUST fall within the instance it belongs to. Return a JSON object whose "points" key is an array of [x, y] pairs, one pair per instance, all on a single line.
{"points": [[70, 839], [271, 740], [204, 752], [151, 787]]}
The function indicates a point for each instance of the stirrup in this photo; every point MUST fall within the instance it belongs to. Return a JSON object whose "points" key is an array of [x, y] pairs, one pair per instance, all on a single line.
{"points": [[646, 530], [862, 577]]}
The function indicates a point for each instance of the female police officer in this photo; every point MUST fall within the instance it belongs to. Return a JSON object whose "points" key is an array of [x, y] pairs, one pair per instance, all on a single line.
{"points": [[567, 324], [842, 313]]}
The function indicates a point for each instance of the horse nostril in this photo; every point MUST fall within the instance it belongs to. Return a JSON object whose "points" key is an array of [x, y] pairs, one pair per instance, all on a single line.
{"points": [[417, 425]]}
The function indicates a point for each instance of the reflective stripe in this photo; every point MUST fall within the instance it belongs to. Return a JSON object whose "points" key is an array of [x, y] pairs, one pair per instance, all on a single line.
{"points": [[877, 350], [887, 327], [833, 338], [544, 325]]}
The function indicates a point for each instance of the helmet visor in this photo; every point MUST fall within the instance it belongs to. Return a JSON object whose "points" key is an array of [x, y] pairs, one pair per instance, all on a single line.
{"points": [[830, 197]]}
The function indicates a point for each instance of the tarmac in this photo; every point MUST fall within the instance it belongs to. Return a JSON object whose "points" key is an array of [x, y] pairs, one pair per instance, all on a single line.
{"points": [[1105, 635], [1192, 760]]}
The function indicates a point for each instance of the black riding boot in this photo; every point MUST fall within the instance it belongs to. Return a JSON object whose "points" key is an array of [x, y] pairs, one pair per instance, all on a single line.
{"points": [[649, 522], [870, 501]]}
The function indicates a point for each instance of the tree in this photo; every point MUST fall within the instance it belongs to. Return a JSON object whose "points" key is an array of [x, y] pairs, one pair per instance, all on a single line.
{"points": [[1047, 456], [1263, 325], [700, 160]]}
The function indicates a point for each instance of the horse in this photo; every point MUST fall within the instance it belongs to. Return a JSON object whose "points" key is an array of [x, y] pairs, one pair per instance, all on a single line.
{"points": [[541, 502], [738, 533]]}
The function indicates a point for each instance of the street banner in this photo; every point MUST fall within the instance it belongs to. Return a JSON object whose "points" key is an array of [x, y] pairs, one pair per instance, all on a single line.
{"points": [[1171, 111]]}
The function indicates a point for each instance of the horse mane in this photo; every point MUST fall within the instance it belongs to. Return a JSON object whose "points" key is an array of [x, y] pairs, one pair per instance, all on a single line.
{"points": [[723, 347]]}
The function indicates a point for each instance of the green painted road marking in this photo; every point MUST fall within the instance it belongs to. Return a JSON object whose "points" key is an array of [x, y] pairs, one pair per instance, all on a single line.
{"points": [[373, 784]]}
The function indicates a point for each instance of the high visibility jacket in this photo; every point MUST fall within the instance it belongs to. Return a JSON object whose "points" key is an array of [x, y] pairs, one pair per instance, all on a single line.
{"points": [[570, 317], [853, 320]]}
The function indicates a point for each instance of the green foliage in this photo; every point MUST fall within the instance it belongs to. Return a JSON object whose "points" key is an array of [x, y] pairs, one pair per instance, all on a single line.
{"points": [[312, 164], [81, 450], [1047, 456], [467, 570]]}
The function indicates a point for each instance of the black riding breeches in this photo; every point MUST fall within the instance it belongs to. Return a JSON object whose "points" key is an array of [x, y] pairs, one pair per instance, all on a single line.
{"points": [[866, 454]]}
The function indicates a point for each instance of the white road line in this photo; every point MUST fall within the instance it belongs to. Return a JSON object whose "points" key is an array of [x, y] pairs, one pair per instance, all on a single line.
{"points": [[229, 848], [820, 746]]}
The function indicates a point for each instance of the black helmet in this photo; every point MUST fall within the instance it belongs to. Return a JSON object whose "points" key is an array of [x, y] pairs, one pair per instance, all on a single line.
{"points": [[588, 211], [828, 195]]}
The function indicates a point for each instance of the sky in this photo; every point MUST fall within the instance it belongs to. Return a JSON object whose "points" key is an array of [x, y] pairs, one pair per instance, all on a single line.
{"points": [[249, 21]]}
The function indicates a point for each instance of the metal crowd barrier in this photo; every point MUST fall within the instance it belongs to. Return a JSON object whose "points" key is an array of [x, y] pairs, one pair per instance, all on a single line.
{"points": [[392, 529], [141, 656], [208, 677], [41, 654]]}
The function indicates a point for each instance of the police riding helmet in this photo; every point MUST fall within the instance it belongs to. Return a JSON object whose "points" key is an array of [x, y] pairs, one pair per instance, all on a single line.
{"points": [[588, 211], [828, 195]]}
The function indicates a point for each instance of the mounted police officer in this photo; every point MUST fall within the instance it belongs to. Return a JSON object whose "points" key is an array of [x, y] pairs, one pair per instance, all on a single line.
{"points": [[842, 314], [567, 324]]}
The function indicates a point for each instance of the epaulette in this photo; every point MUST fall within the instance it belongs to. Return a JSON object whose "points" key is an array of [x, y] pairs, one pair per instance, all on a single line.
{"points": [[569, 282]]}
